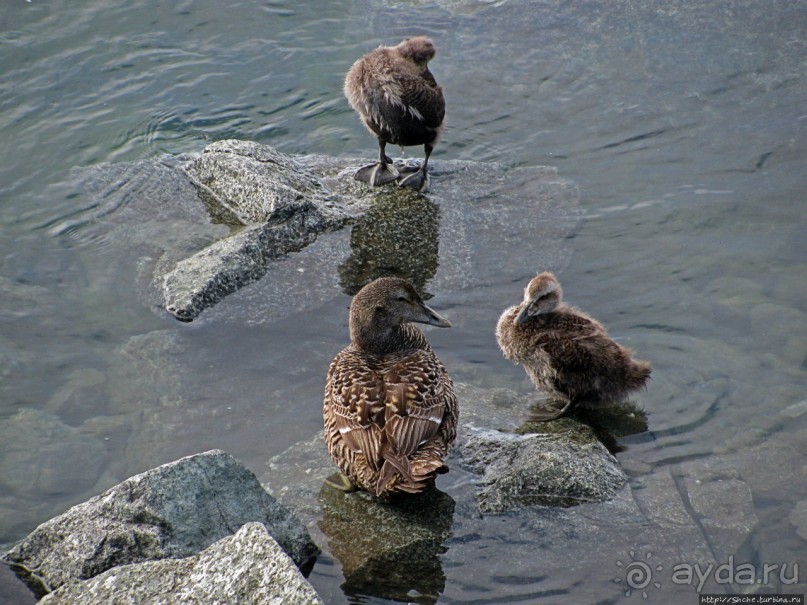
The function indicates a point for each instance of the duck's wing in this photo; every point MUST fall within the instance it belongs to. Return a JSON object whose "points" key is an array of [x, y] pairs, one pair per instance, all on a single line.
{"points": [[416, 396], [423, 98], [355, 405], [571, 341]]}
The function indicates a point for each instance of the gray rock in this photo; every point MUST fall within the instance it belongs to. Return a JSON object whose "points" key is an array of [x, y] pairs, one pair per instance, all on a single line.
{"points": [[560, 463], [562, 468], [249, 567], [286, 202], [522, 463], [225, 266], [247, 183], [283, 203], [175, 510]]}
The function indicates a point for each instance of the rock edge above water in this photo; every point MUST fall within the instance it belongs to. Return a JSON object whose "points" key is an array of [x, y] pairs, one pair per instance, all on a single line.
{"points": [[277, 204], [173, 511], [248, 568]]}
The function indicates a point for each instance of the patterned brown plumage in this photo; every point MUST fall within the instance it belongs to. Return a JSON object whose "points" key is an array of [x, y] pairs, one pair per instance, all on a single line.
{"points": [[400, 102], [566, 353], [390, 410]]}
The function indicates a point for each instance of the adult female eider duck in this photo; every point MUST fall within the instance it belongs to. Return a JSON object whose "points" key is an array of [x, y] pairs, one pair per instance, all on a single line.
{"points": [[400, 102], [390, 410], [566, 353]]}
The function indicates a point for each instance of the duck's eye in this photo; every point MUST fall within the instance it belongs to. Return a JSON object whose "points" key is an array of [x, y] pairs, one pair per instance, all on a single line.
{"points": [[402, 299]]}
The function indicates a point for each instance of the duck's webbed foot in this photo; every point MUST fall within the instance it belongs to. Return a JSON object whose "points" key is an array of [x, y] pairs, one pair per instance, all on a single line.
{"points": [[549, 410], [340, 482], [377, 174], [414, 178]]}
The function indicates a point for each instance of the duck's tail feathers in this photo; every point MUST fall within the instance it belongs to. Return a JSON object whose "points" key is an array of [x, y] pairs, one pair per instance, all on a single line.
{"points": [[639, 373]]}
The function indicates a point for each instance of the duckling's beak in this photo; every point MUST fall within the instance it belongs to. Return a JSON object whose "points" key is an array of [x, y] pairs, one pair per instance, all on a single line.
{"points": [[434, 319], [523, 315]]}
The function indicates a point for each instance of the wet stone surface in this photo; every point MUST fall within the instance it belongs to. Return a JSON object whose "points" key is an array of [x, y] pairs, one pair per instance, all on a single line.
{"points": [[172, 511]]}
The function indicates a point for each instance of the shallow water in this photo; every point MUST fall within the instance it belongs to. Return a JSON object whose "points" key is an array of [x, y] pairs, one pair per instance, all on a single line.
{"points": [[682, 123]]}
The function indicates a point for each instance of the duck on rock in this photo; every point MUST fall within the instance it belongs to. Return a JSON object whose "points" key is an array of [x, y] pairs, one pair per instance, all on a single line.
{"points": [[400, 102], [567, 354], [390, 410]]}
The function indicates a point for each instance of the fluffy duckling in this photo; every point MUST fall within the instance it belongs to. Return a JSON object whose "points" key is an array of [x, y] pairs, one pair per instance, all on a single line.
{"points": [[566, 353], [390, 410], [400, 102]]}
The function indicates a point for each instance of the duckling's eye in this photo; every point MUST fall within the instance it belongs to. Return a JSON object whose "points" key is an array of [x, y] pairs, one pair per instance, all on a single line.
{"points": [[402, 299]]}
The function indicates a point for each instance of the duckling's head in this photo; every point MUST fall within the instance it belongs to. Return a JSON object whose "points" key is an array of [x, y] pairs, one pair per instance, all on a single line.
{"points": [[542, 295], [381, 307], [419, 49]]}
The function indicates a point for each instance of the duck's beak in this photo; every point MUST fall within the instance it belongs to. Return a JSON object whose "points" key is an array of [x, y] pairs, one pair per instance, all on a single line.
{"points": [[434, 319], [523, 315]]}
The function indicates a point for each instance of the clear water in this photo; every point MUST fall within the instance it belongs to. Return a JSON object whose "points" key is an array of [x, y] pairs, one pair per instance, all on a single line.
{"points": [[683, 123]]}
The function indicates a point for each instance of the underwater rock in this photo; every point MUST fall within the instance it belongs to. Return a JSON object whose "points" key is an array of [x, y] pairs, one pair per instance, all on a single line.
{"points": [[248, 567], [277, 204], [42, 460], [798, 518], [388, 550], [174, 510], [66, 457], [722, 502], [191, 230], [397, 237]]}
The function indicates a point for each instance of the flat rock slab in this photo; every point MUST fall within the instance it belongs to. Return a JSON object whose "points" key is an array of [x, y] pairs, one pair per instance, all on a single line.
{"points": [[281, 204], [189, 231], [247, 568], [175, 510]]}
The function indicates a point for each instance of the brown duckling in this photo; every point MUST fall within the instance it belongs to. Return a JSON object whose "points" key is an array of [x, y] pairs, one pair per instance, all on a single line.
{"points": [[400, 102], [390, 410], [566, 353]]}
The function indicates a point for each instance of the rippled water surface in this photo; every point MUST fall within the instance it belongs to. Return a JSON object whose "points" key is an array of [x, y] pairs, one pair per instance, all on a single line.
{"points": [[682, 124]]}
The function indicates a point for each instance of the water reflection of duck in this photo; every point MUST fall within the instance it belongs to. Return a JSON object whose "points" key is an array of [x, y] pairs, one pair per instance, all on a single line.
{"points": [[390, 410], [388, 550], [397, 237], [400, 102], [566, 353]]}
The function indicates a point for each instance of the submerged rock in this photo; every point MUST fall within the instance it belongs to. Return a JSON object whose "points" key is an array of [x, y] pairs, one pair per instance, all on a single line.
{"points": [[175, 510], [191, 230], [279, 204], [247, 568], [388, 550]]}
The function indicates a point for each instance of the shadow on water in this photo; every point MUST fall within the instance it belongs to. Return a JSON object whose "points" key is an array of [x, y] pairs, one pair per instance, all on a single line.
{"points": [[388, 550], [398, 237]]}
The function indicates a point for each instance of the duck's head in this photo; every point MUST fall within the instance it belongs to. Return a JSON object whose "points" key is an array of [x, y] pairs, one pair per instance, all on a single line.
{"points": [[419, 49], [381, 307], [542, 295]]}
